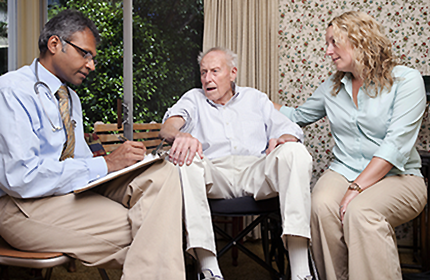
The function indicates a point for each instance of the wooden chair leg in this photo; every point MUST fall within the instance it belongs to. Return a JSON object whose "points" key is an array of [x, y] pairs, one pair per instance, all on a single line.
{"points": [[48, 273], [36, 273], [71, 266], [415, 239], [103, 274], [425, 239], [4, 272]]}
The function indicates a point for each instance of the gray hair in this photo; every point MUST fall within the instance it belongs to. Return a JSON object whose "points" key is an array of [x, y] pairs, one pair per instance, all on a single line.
{"points": [[64, 25], [230, 56]]}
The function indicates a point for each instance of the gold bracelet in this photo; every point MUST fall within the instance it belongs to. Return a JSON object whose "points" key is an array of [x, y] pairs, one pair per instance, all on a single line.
{"points": [[355, 187]]}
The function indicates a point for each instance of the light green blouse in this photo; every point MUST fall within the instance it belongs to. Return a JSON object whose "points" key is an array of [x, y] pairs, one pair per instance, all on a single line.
{"points": [[385, 126]]}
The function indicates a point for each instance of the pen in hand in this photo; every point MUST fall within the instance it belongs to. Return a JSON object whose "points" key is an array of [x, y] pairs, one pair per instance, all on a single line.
{"points": [[122, 138]]}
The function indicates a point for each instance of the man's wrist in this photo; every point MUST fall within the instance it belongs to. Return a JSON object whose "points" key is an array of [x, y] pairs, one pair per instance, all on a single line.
{"points": [[289, 138]]}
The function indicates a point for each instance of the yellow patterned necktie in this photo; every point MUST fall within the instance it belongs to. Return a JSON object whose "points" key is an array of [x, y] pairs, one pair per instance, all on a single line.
{"points": [[63, 100]]}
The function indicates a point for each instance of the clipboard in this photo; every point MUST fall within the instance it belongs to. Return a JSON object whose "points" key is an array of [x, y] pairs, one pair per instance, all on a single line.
{"points": [[149, 159]]}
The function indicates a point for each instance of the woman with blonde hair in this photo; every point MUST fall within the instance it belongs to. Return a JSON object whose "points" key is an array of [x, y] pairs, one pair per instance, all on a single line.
{"points": [[375, 108]]}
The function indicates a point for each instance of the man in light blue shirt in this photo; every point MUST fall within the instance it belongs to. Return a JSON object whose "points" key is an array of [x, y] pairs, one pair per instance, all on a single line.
{"points": [[132, 222], [234, 143]]}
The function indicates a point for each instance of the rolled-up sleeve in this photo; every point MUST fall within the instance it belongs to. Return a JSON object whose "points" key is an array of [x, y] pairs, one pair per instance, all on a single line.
{"points": [[279, 124], [408, 109], [185, 108]]}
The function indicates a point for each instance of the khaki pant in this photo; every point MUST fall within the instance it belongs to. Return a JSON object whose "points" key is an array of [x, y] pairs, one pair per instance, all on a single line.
{"points": [[285, 171], [365, 247], [133, 222]]}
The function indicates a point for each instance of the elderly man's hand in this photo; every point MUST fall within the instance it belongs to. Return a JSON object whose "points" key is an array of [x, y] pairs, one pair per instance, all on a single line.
{"points": [[125, 155], [184, 148], [273, 143]]}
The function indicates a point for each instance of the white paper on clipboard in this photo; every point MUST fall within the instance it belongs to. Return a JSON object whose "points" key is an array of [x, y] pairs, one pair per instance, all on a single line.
{"points": [[149, 158]]}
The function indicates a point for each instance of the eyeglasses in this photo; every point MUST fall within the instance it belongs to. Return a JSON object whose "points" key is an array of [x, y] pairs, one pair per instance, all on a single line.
{"points": [[87, 55]]}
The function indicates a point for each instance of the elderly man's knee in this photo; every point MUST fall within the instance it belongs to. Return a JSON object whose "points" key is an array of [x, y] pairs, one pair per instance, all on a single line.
{"points": [[295, 151], [196, 163]]}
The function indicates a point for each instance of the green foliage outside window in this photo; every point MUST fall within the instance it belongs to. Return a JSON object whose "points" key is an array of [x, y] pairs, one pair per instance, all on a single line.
{"points": [[167, 37], [3, 38]]}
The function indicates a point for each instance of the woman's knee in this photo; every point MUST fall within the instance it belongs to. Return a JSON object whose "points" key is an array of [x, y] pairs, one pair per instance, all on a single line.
{"points": [[361, 218], [321, 204], [327, 194]]}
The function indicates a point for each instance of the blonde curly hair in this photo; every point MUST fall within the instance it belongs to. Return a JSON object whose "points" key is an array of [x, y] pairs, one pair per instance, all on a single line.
{"points": [[372, 51]]}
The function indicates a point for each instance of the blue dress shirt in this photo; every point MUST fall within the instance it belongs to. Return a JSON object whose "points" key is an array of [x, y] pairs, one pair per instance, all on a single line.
{"points": [[243, 126], [385, 126], [30, 149]]}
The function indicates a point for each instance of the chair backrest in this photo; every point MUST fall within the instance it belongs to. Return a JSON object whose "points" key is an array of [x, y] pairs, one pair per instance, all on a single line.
{"points": [[109, 135]]}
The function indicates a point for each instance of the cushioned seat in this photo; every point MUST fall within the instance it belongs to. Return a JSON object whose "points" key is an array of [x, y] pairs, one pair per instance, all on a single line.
{"points": [[241, 206]]}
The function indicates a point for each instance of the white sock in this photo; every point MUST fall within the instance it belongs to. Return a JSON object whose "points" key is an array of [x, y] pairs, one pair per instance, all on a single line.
{"points": [[298, 253], [208, 260]]}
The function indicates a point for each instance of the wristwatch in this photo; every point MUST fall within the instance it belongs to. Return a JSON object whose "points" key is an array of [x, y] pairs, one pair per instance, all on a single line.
{"points": [[355, 187]]}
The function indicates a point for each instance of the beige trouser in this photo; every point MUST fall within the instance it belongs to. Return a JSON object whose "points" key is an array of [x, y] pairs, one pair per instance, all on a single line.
{"points": [[285, 171], [365, 247], [133, 222]]}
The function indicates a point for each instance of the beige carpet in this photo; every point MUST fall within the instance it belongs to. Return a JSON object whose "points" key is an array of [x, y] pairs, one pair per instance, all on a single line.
{"points": [[247, 269]]}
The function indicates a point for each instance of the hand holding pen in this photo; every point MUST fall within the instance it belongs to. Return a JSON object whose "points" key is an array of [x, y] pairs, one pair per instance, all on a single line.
{"points": [[128, 153]]}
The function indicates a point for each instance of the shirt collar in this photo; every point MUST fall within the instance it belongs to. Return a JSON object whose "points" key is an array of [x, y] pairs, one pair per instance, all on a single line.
{"points": [[236, 93], [46, 76], [347, 84]]}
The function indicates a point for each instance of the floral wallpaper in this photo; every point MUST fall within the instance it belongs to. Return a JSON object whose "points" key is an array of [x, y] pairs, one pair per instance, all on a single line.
{"points": [[303, 67]]}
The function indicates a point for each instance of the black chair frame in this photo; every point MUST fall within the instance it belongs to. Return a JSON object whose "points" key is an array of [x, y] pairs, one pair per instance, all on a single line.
{"points": [[268, 216]]}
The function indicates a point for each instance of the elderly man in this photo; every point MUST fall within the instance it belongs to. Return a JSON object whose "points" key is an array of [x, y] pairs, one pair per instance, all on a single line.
{"points": [[234, 143], [132, 222]]}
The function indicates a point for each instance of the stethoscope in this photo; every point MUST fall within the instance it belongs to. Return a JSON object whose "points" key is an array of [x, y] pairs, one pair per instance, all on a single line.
{"points": [[36, 89]]}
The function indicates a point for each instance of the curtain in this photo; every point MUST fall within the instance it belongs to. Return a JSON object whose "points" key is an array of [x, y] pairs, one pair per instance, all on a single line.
{"points": [[248, 28], [30, 18]]}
